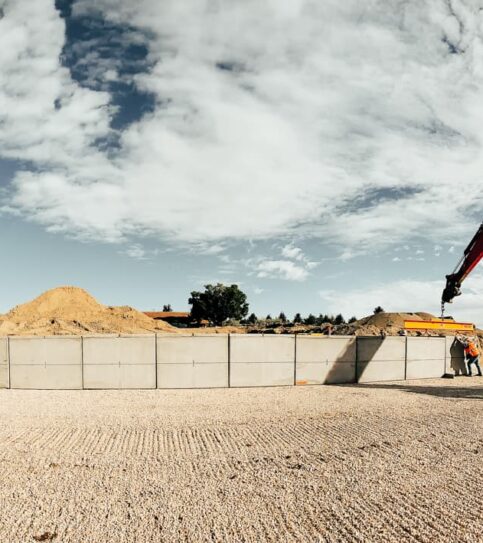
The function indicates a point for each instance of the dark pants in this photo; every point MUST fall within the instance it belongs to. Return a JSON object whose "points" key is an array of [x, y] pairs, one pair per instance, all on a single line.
{"points": [[473, 360]]}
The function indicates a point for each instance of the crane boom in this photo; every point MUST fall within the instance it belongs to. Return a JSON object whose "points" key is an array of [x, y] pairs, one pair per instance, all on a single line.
{"points": [[472, 255]]}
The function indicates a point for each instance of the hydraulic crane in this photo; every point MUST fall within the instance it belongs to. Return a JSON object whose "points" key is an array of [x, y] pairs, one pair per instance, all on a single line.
{"points": [[472, 255]]}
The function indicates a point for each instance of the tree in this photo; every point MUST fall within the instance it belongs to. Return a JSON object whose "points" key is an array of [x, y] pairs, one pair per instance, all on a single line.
{"points": [[218, 303], [310, 319], [378, 309], [268, 317], [297, 319], [339, 319], [252, 319], [167, 308], [352, 319], [282, 317]]}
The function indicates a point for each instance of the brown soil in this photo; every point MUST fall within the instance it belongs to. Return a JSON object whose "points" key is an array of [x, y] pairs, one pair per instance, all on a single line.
{"points": [[73, 311]]}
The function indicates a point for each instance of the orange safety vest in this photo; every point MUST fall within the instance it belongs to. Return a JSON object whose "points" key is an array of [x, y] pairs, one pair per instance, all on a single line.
{"points": [[471, 349]]}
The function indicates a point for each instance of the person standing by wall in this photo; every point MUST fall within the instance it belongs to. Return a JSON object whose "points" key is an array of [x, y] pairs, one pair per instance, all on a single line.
{"points": [[472, 354]]}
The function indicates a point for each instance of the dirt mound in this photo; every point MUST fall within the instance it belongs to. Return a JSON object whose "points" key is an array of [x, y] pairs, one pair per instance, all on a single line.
{"points": [[72, 310], [381, 323]]}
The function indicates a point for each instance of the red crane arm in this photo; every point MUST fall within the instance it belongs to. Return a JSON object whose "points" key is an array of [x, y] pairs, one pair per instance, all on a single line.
{"points": [[472, 255]]}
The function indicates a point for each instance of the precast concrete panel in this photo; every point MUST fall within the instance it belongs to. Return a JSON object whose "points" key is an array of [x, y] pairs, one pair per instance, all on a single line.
{"points": [[261, 374], [192, 361], [455, 357], [202, 375], [261, 360], [202, 349], [4, 377], [46, 363], [262, 349], [126, 362], [381, 359], [425, 357], [325, 360]]}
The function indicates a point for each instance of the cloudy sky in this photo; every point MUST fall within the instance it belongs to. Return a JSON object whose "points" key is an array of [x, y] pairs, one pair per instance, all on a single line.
{"points": [[327, 156]]}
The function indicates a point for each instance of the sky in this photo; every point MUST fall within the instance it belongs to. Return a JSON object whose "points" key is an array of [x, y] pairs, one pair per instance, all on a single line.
{"points": [[325, 156]]}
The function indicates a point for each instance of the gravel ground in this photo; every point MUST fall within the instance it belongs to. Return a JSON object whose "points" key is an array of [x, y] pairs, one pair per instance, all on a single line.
{"points": [[388, 462]]}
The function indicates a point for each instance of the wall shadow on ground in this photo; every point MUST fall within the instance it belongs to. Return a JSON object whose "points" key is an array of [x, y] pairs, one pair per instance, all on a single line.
{"points": [[457, 392]]}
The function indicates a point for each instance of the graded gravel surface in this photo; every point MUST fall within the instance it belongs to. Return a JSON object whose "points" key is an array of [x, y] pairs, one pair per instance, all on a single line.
{"points": [[388, 462]]}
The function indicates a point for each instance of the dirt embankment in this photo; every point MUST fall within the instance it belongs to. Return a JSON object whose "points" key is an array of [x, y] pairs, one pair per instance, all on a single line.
{"points": [[73, 311]]}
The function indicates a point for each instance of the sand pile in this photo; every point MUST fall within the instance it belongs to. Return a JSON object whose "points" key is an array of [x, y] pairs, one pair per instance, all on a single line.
{"points": [[72, 310], [388, 323]]}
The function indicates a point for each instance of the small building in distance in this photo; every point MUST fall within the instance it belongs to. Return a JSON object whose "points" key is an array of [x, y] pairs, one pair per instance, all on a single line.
{"points": [[180, 319]]}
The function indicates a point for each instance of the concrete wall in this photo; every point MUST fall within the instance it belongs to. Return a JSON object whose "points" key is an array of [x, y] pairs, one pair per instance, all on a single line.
{"points": [[425, 357], [455, 358], [257, 361], [381, 359], [325, 360], [46, 363], [4, 373], [192, 361], [119, 362]]}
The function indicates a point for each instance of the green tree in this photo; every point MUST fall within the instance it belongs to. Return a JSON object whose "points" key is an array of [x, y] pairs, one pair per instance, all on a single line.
{"points": [[282, 317], [310, 320], [297, 319], [268, 317], [252, 319], [167, 308], [378, 309], [352, 319], [218, 303], [339, 319]]}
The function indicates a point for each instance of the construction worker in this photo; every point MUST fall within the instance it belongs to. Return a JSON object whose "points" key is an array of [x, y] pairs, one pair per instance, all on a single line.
{"points": [[472, 355]]}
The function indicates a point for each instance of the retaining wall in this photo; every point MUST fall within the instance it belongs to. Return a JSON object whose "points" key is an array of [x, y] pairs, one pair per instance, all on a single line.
{"points": [[119, 362], [192, 361], [4, 377], [45, 363], [425, 357], [215, 361], [262, 360], [381, 359], [325, 360]]}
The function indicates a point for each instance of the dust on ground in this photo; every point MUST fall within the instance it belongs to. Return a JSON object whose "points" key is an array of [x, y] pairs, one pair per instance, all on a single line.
{"points": [[388, 462], [73, 311]]}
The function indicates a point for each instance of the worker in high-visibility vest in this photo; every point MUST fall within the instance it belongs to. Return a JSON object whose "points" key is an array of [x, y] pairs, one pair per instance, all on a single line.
{"points": [[472, 354]]}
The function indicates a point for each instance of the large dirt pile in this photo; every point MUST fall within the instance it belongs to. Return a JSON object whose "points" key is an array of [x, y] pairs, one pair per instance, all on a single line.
{"points": [[390, 324], [72, 310]]}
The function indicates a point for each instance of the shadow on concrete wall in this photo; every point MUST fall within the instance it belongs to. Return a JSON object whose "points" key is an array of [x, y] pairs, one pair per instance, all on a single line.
{"points": [[460, 392], [457, 361]]}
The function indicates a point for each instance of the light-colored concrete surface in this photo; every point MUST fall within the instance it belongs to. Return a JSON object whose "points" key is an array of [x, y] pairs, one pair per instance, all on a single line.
{"points": [[202, 375], [51, 351], [261, 374], [4, 377], [256, 348], [325, 360], [425, 357], [46, 363], [56, 377], [378, 463], [119, 362], [381, 359], [203, 349], [192, 361], [325, 373], [455, 358]]}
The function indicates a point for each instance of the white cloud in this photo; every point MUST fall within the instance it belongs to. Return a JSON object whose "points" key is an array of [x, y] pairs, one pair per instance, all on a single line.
{"points": [[396, 259], [288, 141], [290, 251], [136, 251], [409, 296], [281, 269]]}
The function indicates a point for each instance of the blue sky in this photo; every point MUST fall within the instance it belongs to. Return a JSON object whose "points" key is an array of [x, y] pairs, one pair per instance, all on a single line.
{"points": [[149, 148]]}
